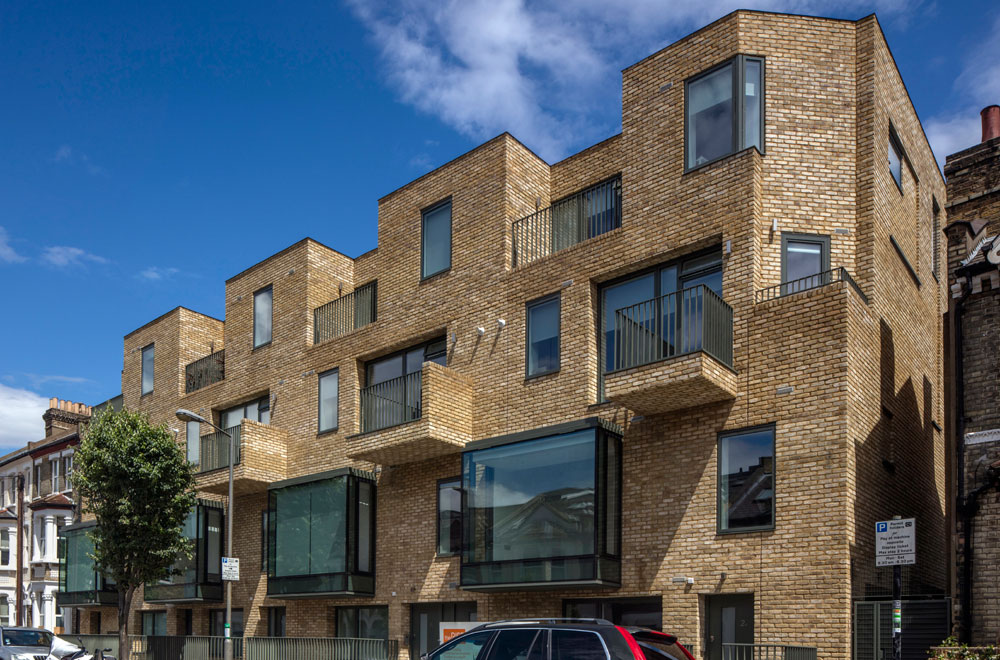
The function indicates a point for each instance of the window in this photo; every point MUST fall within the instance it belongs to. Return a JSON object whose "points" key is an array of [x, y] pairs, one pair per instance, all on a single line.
{"points": [[37, 480], [520, 644], [263, 540], [68, 470], [425, 623], [895, 159], [276, 622], [805, 262], [435, 243], [258, 410], [262, 316], [577, 645], [363, 622], [187, 617], [154, 623], [328, 398], [147, 369], [469, 647], [192, 435], [217, 623], [393, 394], [56, 482], [746, 480], [449, 523], [4, 547], [716, 125], [543, 336], [641, 612], [196, 577], [4, 610]]}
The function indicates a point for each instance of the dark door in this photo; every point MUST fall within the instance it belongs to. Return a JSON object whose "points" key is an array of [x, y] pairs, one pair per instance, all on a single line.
{"points": [[730, 621], [425, 623]]}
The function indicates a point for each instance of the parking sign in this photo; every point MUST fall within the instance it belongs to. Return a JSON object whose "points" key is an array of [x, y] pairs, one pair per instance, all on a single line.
{"points": [[896, 542]]}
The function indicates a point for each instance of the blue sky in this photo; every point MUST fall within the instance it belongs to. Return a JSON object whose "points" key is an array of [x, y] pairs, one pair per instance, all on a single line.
{"points": [[150, 151]]}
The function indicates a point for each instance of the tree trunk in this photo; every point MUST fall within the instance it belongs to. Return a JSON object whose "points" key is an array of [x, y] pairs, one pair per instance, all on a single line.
{"points": [[125, 595]]}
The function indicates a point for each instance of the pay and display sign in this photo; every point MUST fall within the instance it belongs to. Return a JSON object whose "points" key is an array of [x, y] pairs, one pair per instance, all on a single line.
{"points": [[896, 542], [231, 569]]}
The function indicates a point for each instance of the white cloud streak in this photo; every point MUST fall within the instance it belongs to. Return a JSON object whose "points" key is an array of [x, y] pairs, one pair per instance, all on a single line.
{"points": [[156, 273], [65, 154], [7, 253], [63, 256], [20, 417]]}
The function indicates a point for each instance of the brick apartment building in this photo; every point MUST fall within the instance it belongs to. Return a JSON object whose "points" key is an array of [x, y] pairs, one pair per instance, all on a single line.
{"points": [[973, 341], [673, 379]]}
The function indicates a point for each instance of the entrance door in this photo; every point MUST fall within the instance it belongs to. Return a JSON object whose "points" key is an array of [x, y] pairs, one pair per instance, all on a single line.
{"points": [[730, 621], [425, 623]]}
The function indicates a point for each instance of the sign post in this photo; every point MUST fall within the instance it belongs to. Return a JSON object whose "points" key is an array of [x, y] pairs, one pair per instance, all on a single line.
{"points": [[896, 546]]}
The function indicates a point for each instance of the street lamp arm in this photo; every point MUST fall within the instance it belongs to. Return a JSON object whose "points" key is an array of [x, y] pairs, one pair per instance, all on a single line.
{"points": [[187, 416]]}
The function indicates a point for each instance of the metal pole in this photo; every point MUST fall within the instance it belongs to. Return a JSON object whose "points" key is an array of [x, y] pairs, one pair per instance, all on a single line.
{"points": [[897, 609], [227, 644]]}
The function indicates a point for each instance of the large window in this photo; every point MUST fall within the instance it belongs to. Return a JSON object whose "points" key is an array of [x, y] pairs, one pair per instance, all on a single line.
{"points": [[542, 510], [363, 622], [258, 410], [435, 242], [543, 336], [724, 110], [79, 581], [147, 369], [449, 522], [321, 535], [746, 480], [217, 623], [198, 577], [805, 261], [154, 623], [262, 316], [329, 386]]}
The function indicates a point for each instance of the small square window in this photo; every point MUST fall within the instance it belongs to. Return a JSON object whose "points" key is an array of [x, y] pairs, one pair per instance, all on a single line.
{"points": [[435, 242], [543, 336], [328, 400], [746, 480], [262, 316], [147, 369]]}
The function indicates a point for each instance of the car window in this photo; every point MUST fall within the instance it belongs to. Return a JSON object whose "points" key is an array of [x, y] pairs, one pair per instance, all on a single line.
{"points": [[577, 645], [654, 651], [26, 638], [468, 647], [515, 644]]}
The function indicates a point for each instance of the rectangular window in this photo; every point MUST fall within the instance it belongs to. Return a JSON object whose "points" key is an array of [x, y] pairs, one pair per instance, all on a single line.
{"points": [[154, 623], [56, 482], [217, 623], [895, 159], [258, 410], [4, 610], [147, 369], [262, 316], [716, 126], [328, 399], [393, 392], [805, 262], [276, 622], [543, 336], [188, 618], [435, 243], [363, 622], [68, 471], [192, 435], [746, 480], [449, 523], [4, 547], [197, 576]]}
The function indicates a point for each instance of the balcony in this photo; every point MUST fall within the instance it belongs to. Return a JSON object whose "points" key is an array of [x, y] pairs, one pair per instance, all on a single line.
{"points": [[260, 459], [350, 312], [571, 220], [673, 352], [205, 371], [809, 283], [418, 416]]}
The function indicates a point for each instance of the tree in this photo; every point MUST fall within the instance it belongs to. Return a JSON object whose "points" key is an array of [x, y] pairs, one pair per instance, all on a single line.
{"points": [[134, 478]]}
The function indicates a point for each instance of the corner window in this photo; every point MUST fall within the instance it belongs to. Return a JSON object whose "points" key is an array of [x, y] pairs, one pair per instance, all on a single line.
{"points": [[449, 522], [543, 336], [435, 241], [805, 262], [746, 480], [724, 111], [363, 622], [192, 435], [147, 369], [262, 316], [895, 159], [328, 397]]}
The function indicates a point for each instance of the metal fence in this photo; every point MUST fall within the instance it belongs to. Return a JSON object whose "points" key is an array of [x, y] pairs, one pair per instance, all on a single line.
{"points": [[169, 647], [574, 219], [694, 319], [214, 452], [767, 652], [350, 312], [807, 283], [93, 643], [391, 402], [205, 371]]}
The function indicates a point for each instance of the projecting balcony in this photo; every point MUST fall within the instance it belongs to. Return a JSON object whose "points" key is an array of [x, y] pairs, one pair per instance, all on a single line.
{"points": [[349, 312], [418, 416], [205, 371], [260, 459], [673, 352], [571, 220]]}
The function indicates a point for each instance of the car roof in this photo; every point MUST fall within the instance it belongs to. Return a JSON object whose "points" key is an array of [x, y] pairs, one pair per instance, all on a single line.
{"points": [[546, 622], [23, 628]]}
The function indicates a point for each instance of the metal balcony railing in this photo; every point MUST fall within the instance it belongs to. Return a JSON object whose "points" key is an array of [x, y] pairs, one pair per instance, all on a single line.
{"points": [[349, 312], [571, 220], [767, 652], [205, 371], [391, 402], [687, 321], [806, 283], [214, 451]]}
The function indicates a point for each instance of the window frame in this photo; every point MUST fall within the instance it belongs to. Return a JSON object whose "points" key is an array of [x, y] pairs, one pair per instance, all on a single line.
{"points": [[739, 129], [423, 233], [537, 302], [142, 370], [269, 288], [772, 427], [272, 620], [441, 482], [896, 145], [319, 402], [823, 240], [263, 403], [357, 611]]}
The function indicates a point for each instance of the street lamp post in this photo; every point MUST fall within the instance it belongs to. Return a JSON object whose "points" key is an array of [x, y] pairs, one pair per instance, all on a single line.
{"points": [[188, 416]]}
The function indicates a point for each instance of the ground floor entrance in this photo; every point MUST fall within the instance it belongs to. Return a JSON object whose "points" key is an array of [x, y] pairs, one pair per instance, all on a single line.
{"points": [[728, 620]]}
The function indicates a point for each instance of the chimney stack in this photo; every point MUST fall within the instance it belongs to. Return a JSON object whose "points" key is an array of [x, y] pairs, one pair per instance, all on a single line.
{"points": [[991, 122]]}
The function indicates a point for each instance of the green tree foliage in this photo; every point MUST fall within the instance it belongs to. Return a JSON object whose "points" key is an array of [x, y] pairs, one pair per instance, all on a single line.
{"points": [[134, 478]]}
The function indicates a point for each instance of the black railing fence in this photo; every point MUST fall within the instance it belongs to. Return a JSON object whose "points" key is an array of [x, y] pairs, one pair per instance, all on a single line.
{"points": [[807, 283], [205, 371], [767, 652], [348, 312], [214, 451], [391, 402]]}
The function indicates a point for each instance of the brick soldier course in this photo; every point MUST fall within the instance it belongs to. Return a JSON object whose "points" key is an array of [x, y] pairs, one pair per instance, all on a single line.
{"points": [[846, 370]]}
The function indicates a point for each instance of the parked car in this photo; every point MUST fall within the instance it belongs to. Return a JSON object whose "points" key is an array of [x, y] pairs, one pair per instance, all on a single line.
{"points": [[24, 643], [560, 639]]}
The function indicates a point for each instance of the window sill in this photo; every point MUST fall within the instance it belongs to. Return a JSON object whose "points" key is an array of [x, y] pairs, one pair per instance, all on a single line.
{"points": [[744, 530], [264, 345], [689, 170], [543, 374], [432, 276], [327, 431]]}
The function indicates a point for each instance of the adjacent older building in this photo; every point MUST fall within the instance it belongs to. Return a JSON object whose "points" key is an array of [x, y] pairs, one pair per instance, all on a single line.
{"points": [[672, 380]]}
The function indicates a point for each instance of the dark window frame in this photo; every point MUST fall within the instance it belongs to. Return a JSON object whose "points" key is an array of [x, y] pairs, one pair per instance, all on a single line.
{"points": [[772, 426], [272, 621], [557, 297], [823, 240], [153, 614], [356, 609], [423, 222], [895, 144], [142, 370], [441, 482], [319, 401], [263, 403], [269, 287], [739, 78], [264, 521], [368, 364]]}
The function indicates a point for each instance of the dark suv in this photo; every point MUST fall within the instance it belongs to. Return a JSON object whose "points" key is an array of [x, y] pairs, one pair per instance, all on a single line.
{"points": [[560, 639]]}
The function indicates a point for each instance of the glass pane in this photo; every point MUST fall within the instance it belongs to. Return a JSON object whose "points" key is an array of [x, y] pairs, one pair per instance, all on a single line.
{"points": [[414, 360], [213, 546], [192, 434], [746, 480], [347, 622], [712, 279], [328, 527], [895, 163], [262, 317], [385, 369], [469, 647], [616, 297], [752, 99], [576, 645], [436, 240], [668, 280], [437, 352], [710, 116], [232, 417], [373, 622], [365, 529], [80, 574], [250, 411], [449, 517], [543, 337], [310, 535], [802, 259], [147, 369], [264, 415], [513, 644], [328, 392]]}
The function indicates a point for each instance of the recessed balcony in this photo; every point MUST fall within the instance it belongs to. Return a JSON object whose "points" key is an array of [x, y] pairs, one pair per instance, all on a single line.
{"points": [[260, 459], [673, 352], [418, 416]]}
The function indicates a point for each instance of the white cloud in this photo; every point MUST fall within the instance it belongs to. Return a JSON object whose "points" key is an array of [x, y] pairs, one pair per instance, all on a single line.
{"points": [[62, 256], [948, 135], [37, 380], [20, 417], [156, 273], [66, 154], [7, 253]]}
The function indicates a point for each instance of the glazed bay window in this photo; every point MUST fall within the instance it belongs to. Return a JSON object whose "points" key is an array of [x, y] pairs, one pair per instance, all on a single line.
{"points": [[746, 480], [147, 369], [724, 111], [435, 239], [449, 523], [80, 583], [321, 535], [805, 262], [192, 438], [198, 577], [542, 343], [543, 507], [329, 386], [263, 302]]}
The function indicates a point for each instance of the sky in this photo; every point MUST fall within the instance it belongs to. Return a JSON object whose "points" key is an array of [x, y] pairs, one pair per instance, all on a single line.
{"points": [[150, 151]]}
